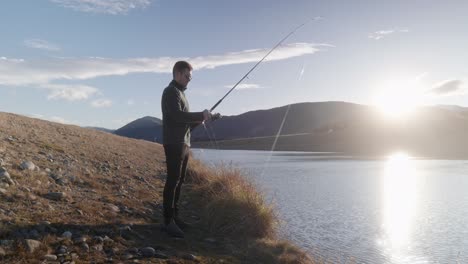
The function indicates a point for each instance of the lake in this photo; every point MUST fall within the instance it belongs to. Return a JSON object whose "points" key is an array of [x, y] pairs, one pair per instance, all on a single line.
{"points": [[342, 209]]}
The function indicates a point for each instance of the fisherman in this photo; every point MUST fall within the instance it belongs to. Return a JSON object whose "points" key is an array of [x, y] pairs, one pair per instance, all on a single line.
{"points": [[178, 121]]}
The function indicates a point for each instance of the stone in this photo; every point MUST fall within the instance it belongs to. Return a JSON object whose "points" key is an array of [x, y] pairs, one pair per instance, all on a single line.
{"points": [[27, 165], [67, 235], [160, 255], [2, 252], [50, 257], [84, 246], [32, 245], [98, 247], [113, 208], [56, 196], [98, 240], [127, 256], [62, 250], [188, 256], [147, 252]]}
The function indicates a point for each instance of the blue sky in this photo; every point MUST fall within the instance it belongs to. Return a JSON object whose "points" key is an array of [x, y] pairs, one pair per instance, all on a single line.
{"points": [[105, 63]]}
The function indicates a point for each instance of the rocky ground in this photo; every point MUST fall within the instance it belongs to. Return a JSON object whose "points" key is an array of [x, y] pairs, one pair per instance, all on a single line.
{"points": [[75, 195]]}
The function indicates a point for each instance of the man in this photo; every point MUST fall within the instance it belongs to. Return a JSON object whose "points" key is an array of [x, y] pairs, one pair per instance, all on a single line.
{"points": [[177, 124]]}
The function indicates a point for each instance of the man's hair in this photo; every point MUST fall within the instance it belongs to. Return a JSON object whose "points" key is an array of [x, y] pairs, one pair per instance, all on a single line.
{"points": [[181, 66]]}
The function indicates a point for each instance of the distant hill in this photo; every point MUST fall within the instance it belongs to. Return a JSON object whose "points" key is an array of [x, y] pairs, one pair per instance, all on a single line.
{"points": [[147, 128], [437, 131], [102, 129]]}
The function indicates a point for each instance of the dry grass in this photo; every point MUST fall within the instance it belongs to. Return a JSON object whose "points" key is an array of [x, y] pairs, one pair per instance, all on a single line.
{"points": [[232, 207]]}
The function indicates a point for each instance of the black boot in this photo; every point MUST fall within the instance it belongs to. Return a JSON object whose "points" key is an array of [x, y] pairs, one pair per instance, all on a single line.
{"points": [[169, 224], [173, 230], [181, 223]]}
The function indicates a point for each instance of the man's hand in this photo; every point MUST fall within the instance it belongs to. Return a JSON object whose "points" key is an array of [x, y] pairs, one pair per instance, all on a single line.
{"points": [[216, 116], [206, 115]]}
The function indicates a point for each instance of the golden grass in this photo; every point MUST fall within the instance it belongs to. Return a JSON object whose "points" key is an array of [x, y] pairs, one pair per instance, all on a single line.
{"points": [[232, 207]]}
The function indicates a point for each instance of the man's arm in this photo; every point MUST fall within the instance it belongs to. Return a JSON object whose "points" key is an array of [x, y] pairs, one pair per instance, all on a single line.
{"points": [[175, 112]]}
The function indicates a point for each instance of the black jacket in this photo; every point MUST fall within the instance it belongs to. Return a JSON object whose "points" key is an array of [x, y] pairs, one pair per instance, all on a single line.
{"points": [[177, 120]]}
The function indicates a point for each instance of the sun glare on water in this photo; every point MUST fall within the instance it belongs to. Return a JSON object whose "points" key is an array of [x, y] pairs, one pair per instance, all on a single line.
{"points": [[400, 202]]}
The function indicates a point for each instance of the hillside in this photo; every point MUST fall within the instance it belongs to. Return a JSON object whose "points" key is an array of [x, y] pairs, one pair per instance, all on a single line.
{"points": [[437, 131], [354, 129], [76, 195]]}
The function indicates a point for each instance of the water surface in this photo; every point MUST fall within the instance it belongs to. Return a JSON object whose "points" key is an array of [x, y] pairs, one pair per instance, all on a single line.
{"points": [[342, 209]]}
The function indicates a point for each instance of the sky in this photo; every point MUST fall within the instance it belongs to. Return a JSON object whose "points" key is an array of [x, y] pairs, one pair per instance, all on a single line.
{"points": [[105, 63]]}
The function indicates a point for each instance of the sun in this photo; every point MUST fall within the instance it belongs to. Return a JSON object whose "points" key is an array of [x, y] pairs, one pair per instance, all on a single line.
{"points": [[398, 100]]}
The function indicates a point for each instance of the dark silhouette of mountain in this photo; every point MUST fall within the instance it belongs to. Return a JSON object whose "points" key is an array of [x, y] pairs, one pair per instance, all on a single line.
{"points": [[433, 131], [436, 131], [147, 128]]}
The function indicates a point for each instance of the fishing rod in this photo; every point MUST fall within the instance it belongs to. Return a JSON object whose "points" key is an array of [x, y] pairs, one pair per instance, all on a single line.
{"points": [[264, 57]]}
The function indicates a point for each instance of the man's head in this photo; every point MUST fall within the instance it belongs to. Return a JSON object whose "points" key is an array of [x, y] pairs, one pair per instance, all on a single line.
{"points": [[182, 73]]}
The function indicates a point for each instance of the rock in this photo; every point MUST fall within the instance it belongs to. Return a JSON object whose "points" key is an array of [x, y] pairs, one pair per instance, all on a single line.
{"points": [[3, 191], [74, 256], [67, 235], [5, 177], [2, 252], [27, 165], [98, 240], [160, 255], [113, 208], [188, 256], [108, 240], [56, 196], [79, 240], [50, 257], [147, 252], [62, 250], [97, 247], [85, 247], [32, 245], [127, 256]]}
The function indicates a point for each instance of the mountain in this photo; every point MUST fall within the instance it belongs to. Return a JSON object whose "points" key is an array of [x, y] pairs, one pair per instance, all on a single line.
{"points": [[432, 131], [342, 127], [148, 128]]}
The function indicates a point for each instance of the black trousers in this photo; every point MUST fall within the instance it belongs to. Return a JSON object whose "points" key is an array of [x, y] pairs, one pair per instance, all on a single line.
{"points": [[177, 156]]}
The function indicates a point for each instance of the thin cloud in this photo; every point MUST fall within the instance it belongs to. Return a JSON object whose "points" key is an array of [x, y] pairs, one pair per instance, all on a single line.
{"points": [[69, 92], [41, 44], [20, 72], [130, 102], [244, 86], [112, 7], [447, 87], [101, 103], [254, 55], [384, 33], [46, 71]]}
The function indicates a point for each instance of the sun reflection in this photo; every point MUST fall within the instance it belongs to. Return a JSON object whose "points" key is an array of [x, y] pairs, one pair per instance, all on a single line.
{"points": [[400, 201]]}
